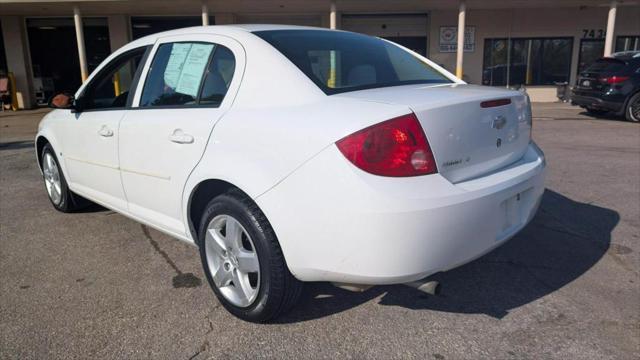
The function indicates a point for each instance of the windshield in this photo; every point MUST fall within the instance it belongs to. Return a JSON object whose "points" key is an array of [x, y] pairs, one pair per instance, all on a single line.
{"points": [[338, 61]]}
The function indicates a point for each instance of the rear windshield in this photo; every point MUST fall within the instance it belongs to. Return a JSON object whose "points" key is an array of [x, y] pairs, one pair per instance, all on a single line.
{"points": [[341, 61], [607, 65]]}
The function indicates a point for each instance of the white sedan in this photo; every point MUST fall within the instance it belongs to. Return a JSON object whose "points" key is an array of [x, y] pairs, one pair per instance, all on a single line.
{"points": [[293, 154]]}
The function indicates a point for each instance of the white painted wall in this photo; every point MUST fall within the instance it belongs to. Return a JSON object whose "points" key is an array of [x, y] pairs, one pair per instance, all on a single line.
{"points": [[292, 19], [518, 23], [390, 25], [224, 18], [119, 31]]}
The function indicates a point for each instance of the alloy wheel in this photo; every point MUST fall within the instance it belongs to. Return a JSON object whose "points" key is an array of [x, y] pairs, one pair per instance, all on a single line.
{"points": [[52, 178], [232, 260], [634, 110]]}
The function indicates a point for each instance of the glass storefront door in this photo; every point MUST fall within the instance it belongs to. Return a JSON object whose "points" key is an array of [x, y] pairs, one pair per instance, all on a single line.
{"points": [[54, 53]]}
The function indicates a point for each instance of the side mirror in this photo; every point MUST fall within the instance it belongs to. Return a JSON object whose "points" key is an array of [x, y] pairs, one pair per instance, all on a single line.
{"points": [[62, 101]]}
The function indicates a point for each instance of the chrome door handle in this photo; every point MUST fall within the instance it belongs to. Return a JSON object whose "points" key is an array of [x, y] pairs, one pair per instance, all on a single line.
{"points": [[180, 137], [105, 131]]}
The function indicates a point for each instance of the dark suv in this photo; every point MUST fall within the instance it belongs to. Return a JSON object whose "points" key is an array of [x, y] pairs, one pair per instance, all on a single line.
{"points": [[611, 84]]}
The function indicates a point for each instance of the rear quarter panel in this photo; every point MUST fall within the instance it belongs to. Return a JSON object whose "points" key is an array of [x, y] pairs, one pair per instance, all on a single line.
{"points": [[256, 148]]}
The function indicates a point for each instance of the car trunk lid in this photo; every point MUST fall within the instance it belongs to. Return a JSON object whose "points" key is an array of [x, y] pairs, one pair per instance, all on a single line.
{"points": [[470, 133]]}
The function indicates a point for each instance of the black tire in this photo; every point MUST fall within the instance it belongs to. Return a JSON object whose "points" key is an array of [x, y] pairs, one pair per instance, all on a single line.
{"points": [[278, 290], [632, 111], [596, 112], [69, 201]]}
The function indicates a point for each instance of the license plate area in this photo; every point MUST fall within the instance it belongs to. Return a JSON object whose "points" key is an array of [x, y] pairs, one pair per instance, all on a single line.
{"points": [[513, 213]]}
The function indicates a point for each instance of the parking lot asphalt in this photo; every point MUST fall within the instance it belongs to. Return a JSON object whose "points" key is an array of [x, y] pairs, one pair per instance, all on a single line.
{"points": [[98, 285]]}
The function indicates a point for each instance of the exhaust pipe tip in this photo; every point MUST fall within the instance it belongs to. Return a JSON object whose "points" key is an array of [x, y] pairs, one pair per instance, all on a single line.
{"points": [[437, 289], [352, 287], [428, 287]]}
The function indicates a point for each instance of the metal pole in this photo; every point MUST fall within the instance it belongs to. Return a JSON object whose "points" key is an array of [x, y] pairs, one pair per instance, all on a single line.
{"points": [[82, 55], [460, 49], [611, 26], [529, 76], [508, 61], [205, 14], [333, 16]]}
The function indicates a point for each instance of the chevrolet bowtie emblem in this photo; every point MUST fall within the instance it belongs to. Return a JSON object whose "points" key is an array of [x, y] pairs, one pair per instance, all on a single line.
{"points": [[499, 122]]}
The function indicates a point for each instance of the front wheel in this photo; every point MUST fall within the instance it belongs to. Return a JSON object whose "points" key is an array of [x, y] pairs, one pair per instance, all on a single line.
{"points": [[55, 183], [242, 260], [632, 112]]}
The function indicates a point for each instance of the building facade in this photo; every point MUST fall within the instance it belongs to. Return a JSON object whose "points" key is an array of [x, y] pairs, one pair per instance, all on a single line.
{"points": [[51, 46]]}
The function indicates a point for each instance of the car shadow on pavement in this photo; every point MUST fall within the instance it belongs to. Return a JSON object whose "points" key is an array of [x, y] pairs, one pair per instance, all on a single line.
{"points": [[565, 239], [16, 145], [605, 116], [95, 208]]}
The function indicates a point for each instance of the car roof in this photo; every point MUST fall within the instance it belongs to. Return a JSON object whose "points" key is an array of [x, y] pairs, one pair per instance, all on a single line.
{"points": [[228, 30], [268, 27], [626, 55]]}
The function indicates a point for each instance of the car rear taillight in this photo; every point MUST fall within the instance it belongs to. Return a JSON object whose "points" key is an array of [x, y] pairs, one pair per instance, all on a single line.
{"points": [[397, 147], [614, 79]]}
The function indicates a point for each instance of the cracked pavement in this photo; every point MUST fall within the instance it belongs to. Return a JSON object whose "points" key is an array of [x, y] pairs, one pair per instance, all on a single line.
{"points": [[98, 285]]}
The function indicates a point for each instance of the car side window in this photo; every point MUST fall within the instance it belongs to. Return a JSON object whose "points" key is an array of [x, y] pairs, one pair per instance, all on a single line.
{"points": [[218, 77], [176, 74], [109, 89], [187, 74]]}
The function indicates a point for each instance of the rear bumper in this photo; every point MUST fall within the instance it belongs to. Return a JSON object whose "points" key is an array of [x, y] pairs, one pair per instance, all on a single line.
{"points": [[595, 103], [337, 223]]}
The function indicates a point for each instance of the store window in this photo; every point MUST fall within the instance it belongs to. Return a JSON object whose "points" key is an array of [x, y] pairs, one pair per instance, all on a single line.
{"points": [[537, 61], [628, 43]]}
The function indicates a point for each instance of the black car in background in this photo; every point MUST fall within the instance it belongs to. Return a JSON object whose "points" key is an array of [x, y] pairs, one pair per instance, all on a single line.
{"points": [[611, 85]]}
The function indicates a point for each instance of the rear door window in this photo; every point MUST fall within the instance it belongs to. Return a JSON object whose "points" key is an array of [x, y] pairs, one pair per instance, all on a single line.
{"points": [[176, 73], [218, 77], [188, 74]]}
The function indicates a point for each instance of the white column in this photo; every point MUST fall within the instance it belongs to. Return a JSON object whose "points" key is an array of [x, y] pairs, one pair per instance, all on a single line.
{"points": [[82, 55], [119, 34], [460, 50], [18, 60], [611, 27], [205, 14], [333, 16]]}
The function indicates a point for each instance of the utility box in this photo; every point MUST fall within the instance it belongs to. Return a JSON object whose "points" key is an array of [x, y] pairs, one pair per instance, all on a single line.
{"points": [[563, 91]]}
